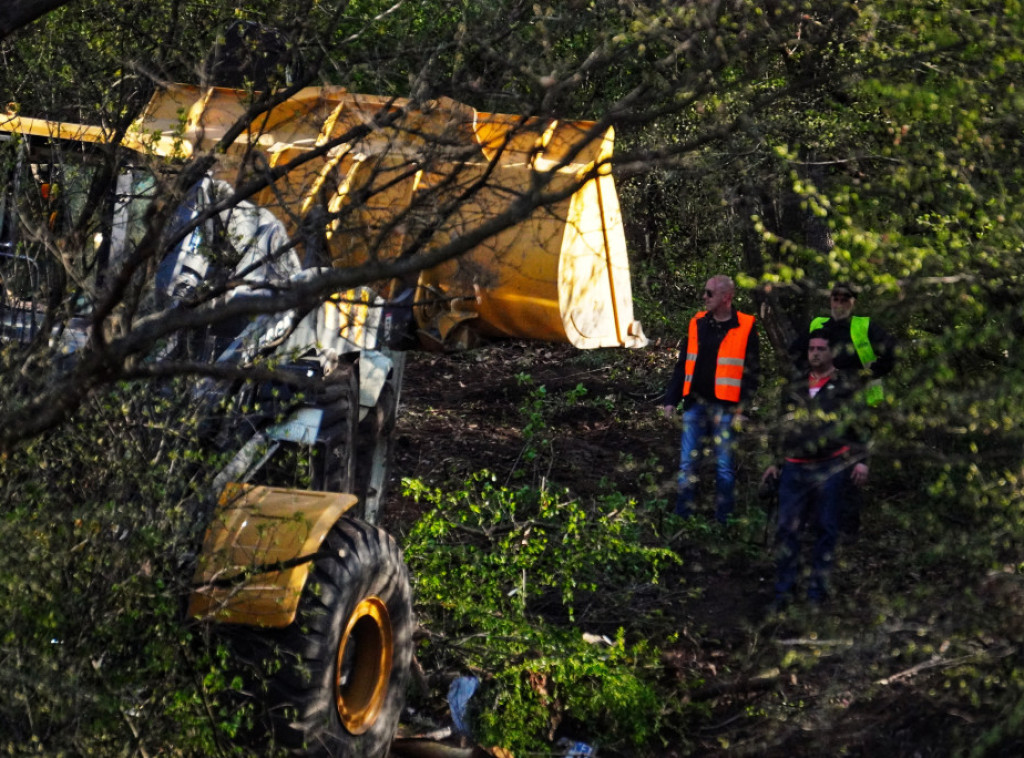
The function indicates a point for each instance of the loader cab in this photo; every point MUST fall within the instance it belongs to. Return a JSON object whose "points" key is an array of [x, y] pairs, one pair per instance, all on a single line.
{"points": [[26, 211], [63, 228]]}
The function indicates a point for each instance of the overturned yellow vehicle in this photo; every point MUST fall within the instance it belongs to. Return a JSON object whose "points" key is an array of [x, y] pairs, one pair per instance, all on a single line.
{"points": [[443, 225]]}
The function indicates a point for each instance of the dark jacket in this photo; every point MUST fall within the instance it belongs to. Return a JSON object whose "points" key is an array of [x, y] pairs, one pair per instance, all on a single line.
{"points": [[820, 427], [709, 337]]}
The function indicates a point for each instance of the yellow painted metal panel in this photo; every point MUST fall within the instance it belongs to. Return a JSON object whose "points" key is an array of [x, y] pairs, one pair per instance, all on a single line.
{"points": [[15, 124], [561, 274], [255, 557]]}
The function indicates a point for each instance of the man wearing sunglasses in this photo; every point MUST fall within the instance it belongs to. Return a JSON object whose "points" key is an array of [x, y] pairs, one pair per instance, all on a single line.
{"points": [[715, 377]]}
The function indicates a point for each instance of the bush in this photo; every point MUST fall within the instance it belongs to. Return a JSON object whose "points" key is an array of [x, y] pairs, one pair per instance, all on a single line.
{"points": [[506, 578], [99, 549]]}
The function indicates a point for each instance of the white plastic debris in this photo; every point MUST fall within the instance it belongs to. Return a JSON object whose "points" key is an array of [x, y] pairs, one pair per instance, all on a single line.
{"points": [[459, 693]]}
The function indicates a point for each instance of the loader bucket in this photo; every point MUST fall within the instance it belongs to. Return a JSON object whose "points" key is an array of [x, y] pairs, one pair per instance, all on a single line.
{"points": [[561, 273], [529, 206], [388, 169]]}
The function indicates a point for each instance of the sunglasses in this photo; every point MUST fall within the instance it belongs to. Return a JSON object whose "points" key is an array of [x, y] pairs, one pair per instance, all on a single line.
{"points": [[709, 293], [842, 298]]}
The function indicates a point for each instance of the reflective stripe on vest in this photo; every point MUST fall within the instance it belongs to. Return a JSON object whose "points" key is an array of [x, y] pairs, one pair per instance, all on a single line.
{"points": [[859, 334], [859, 326], [731, 356], [691, 353]]}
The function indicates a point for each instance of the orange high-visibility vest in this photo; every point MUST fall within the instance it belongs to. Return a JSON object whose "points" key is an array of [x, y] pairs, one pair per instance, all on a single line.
{"points": [[731, 355]]}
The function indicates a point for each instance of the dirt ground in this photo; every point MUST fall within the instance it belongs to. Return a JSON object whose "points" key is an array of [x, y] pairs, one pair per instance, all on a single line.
{"points": [[462, 413]]}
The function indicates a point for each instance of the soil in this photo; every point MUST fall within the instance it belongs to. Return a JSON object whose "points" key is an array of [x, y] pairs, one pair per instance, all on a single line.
{"points": [[461, 413]]}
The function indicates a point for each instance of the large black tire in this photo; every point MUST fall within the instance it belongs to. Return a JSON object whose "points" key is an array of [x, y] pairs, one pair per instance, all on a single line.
{"points": [[345, 660], [334, 466]]}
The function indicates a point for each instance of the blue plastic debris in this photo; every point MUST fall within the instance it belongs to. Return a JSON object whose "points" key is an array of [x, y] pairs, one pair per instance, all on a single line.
{"points": [[580, 750], [459, 693]]}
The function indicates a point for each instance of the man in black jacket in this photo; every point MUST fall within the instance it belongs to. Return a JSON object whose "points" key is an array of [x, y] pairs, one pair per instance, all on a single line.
{"points": [[823, 452], [716, 375], [863, 350]]}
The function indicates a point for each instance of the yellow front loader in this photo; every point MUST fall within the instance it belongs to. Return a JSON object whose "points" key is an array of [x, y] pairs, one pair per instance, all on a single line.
{"points": [[462, 226]]}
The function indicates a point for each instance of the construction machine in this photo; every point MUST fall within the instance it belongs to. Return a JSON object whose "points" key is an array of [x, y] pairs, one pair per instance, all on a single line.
{"points": [[444, 225]]}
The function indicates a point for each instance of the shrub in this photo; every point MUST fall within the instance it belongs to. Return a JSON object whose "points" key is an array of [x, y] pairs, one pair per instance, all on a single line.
{"points": [[100, 523], [505, 578]]}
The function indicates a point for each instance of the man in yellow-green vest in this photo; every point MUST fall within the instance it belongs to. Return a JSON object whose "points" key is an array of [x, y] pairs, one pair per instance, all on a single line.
{"points": [[863, 348], [864, 351]]}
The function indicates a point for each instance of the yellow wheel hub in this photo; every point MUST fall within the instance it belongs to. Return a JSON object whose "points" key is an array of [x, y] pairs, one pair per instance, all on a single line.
{"points": [[364, 665]]}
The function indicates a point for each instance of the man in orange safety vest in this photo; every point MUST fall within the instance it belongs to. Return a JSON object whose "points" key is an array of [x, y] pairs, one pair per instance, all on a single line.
{"points": [[715, 377]]}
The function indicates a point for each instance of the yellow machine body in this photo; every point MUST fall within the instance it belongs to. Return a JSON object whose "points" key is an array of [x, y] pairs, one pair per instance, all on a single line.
{"points": [[257, 553], [558, 273], [385, 170]]}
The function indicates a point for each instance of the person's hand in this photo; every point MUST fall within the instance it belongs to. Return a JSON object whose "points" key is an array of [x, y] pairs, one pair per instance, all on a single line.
{"points": [[859, 475], [769, 488], [669, 411]]}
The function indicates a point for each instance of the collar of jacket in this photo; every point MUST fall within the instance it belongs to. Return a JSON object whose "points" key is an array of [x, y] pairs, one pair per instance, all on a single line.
{"points": [[730, 323]]}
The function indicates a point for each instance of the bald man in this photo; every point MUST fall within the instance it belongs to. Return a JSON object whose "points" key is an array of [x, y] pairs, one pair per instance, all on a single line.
{"points": [[715, 377]]}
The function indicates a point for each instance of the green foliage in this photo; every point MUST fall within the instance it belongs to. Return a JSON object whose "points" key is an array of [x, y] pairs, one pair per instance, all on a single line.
{"points": [[101, 524], [501, 575], [536, 411], [607, 692], [534, 424], [787, 143]]}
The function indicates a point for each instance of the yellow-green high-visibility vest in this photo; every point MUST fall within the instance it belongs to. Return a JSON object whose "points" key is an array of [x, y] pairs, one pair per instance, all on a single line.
{"points": [[873, 394]]}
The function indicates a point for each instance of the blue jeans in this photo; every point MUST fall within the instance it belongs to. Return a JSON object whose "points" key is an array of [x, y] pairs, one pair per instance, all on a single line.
{"points": [[700, 422], [808, 493]]}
